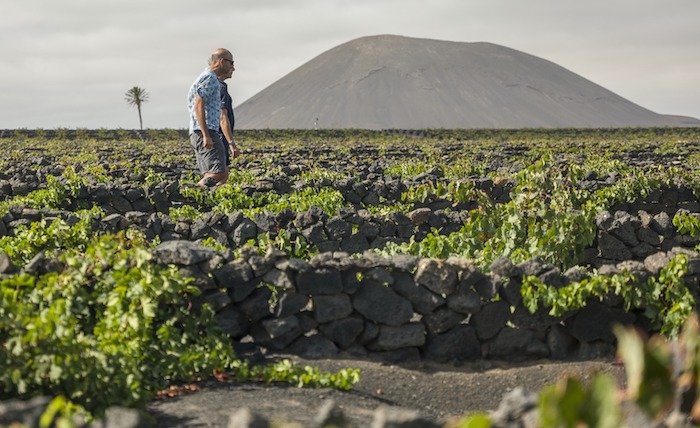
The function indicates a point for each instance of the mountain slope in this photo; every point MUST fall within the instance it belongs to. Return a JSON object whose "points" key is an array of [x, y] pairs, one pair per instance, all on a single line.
{"points": [[395, 82]]}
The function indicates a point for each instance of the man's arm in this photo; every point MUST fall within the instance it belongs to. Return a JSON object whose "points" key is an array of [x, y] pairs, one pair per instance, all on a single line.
{"points": [[226, 127], [200, 116]]}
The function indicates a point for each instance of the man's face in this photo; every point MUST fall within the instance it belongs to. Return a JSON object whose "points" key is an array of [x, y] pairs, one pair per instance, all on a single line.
{"points": [[227, 67]]}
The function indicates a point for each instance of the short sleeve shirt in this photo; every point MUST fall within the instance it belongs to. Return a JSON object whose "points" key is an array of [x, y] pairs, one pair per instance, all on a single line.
{"points": [[208, 87]]}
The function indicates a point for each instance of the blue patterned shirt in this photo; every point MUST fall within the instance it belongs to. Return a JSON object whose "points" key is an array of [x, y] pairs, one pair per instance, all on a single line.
{"points": [[208, 87]]}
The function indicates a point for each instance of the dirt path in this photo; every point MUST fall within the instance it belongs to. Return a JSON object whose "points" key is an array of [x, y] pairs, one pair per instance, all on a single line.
{"points": [[434, 390]]}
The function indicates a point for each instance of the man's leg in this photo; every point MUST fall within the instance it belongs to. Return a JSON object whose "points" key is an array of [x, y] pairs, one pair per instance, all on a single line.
{"points": [[215, 163]]}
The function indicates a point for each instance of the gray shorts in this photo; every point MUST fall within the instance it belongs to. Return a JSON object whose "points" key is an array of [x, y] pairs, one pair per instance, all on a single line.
{"points": [[214, 160]]}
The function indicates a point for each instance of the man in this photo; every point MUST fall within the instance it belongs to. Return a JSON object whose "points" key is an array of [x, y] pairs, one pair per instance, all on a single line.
{"points": [[204, 105], [227, 121]]}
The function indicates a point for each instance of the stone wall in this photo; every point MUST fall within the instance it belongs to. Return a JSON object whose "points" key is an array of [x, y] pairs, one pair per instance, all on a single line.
{"points": [[405, 307], [353, 230], [348, 299]]}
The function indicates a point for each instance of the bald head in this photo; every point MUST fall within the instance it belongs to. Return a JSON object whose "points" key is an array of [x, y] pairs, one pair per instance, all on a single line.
{"points": [[221, 63], [218, 54]]}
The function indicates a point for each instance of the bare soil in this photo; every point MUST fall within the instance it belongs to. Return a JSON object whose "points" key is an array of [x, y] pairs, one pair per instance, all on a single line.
{"points": [[437, 391]]}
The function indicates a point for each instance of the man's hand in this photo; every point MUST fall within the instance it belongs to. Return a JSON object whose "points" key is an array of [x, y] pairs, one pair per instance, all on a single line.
{"points": [[235, 151], [208, 142]]}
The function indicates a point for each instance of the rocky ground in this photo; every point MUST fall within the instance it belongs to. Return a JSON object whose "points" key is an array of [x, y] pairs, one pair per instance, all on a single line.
{"points": [[437, 392]]}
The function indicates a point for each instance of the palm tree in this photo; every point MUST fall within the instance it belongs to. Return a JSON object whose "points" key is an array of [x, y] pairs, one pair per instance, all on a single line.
{"points": [[135, 97]]}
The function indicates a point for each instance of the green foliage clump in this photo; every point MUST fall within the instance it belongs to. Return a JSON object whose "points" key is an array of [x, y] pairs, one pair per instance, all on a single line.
{"points": [[48, 236], [548, 214], [664, 299], [229, 198], [687, 223], [292, 246], [53, 196], [456, 192], [545, 217], [113, 328], [569, 403]]}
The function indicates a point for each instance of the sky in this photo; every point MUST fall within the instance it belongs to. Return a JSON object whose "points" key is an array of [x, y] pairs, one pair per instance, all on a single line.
{"points": [[69, 63]]}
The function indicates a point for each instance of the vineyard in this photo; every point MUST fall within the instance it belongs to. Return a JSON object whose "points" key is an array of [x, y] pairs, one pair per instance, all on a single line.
{"points": [[119, 276]]}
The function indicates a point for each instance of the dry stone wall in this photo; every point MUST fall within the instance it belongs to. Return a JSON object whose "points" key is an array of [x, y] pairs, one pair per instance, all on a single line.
{"points": [[347, 299], [353, 230], [405, 307]]}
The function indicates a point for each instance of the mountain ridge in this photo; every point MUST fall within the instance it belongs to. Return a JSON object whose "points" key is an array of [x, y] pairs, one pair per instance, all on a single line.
{"points": [[398, 82]]}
